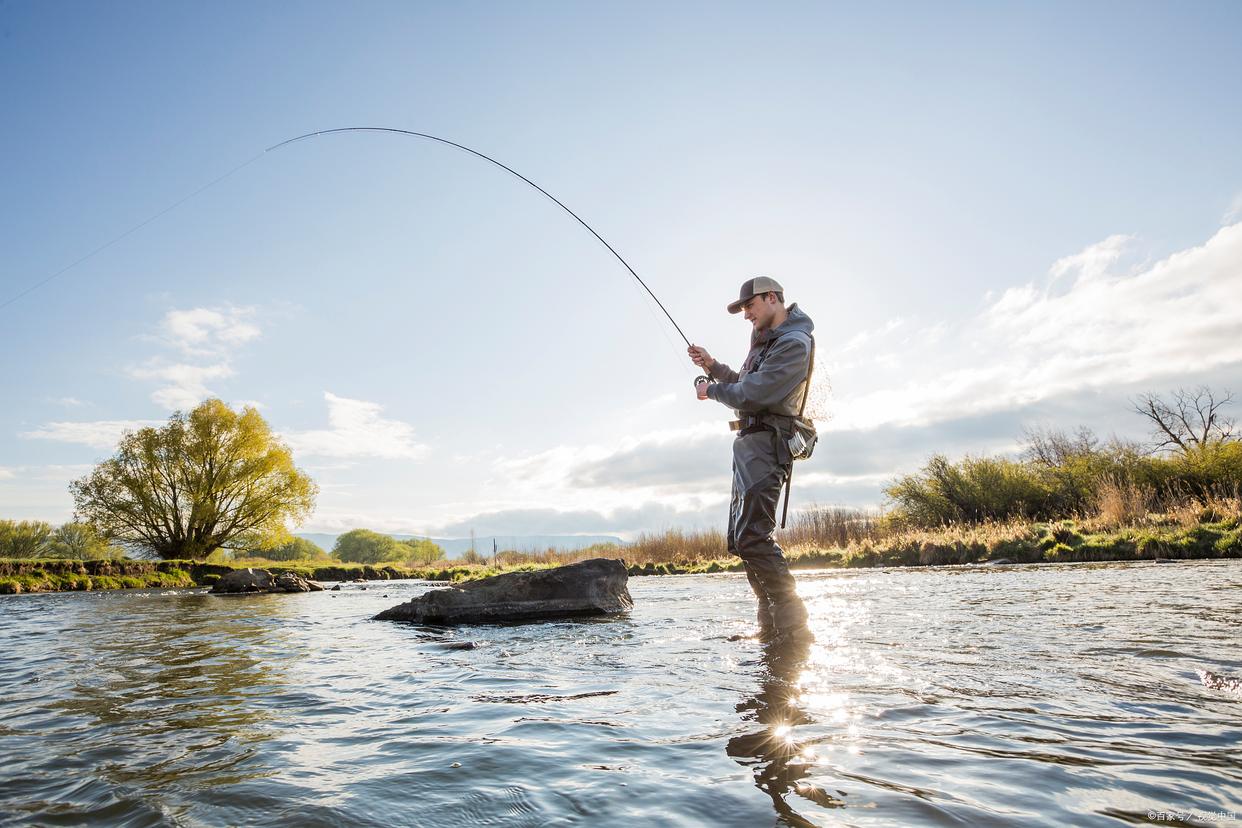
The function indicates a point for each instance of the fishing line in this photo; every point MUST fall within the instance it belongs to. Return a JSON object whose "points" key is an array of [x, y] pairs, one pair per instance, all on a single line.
{"points": [[317, 133], [132, 230], [507, 169]]}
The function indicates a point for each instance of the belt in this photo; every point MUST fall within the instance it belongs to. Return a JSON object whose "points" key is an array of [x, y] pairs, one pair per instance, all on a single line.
{"points": [[747, 422], [752, 423]]}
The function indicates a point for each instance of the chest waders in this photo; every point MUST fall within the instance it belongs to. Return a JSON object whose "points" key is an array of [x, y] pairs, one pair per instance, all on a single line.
{"points": [[763, 455]]}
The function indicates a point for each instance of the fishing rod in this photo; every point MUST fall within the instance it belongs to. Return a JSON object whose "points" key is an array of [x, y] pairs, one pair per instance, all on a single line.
{"points": [[509, 170], [406, 132]]}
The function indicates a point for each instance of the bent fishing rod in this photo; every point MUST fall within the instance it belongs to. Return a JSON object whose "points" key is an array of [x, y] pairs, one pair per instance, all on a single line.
{"points": [[509, 170], [395, 131], [515, 173]]}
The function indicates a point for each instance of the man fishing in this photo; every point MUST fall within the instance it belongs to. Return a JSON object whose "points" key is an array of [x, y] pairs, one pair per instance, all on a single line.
{"points": [[768, 394]]}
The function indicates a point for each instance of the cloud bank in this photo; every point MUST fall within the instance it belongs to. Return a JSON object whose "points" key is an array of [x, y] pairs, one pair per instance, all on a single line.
{"points": [[357, 430]]}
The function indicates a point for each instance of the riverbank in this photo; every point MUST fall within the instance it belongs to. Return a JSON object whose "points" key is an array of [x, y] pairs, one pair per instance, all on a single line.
{"points": [[1016, 543], [63, 575]]}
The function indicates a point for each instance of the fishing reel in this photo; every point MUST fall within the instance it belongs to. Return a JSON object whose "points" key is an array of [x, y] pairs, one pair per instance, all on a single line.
{"points": [[702, 378]]}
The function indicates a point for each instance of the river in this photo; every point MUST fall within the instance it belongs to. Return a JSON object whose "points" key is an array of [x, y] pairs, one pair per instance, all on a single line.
{"points": [[1018, 695]]}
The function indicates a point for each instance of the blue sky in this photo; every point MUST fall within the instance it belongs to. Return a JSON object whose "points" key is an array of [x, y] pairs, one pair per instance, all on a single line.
{"points": [[999, 215]]}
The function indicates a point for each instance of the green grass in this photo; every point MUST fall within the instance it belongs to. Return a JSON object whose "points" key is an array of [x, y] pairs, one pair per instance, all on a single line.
{"points": [[1158, 537], [54, 576]]}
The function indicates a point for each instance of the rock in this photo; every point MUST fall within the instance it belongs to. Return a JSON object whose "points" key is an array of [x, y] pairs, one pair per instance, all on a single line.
{"points": [[998, 562], [336, 588], [594, 587], [260, 580], [290, 582]]}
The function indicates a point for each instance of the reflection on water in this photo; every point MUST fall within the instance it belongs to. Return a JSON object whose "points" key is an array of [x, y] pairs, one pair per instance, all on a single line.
{"points": [[1060, 695], [780, 761]]}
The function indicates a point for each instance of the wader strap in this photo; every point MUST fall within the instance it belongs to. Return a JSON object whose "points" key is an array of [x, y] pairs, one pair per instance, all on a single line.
{"points": [[806, 392]]}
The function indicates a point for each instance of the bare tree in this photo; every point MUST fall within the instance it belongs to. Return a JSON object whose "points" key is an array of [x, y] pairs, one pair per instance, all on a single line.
{"points": [[1051, 448], [1190, 420]]}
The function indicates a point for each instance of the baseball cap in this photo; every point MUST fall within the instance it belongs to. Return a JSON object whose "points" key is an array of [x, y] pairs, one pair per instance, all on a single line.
{"points": [[754, 287]]}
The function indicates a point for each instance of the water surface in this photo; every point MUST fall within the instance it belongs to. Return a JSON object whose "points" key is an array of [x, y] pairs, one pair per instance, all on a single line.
{"points": [[1058, 695]]}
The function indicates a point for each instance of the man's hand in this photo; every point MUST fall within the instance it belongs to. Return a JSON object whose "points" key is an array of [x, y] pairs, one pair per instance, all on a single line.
{"points": [[700, 388], [700, 357]]}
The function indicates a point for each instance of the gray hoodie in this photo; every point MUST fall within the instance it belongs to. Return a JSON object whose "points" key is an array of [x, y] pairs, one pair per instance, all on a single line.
{"points": [[773, 381]]}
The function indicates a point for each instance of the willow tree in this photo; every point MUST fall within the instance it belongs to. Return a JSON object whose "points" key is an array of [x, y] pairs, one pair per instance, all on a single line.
{"points": [[207, 480]]}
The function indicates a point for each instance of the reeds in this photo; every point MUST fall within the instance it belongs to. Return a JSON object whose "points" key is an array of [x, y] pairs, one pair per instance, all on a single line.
{"points": [[1121, 502]]}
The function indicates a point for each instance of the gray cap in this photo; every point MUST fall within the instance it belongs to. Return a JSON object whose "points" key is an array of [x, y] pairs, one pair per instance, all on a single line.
{"points": [[754, 287]]}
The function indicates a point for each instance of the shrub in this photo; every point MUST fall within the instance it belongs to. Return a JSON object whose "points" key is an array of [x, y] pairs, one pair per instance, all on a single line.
{"points": [[365, 546], [297, 549], [973, 490], [25, 539], [422, 551]]}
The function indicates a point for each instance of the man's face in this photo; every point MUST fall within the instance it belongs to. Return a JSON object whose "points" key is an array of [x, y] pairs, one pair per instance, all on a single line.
{"points": [[760, 310]]}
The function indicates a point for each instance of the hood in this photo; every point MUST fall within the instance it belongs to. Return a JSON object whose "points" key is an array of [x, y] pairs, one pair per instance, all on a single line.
{"points": [[796, 320]]}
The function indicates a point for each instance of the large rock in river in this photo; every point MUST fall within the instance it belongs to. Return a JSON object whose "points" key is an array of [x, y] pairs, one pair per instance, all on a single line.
{"points": [[260, 580], [594, 587]]}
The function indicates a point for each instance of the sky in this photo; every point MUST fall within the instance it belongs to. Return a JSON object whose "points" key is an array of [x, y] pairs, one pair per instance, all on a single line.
{"points": [[1001, 216]]}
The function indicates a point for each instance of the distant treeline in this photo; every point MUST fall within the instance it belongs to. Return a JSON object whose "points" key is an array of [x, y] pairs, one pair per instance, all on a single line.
{"points": [[39, 539], [355, 546], [80, 541]]}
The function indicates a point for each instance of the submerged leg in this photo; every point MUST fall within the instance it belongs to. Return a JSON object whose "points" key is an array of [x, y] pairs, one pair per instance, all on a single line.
{"points": [[754, 525]]}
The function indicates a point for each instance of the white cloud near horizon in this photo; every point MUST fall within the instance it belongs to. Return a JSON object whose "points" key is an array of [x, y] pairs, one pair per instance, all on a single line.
{"points": [[100, 434], [357, 430], [1092, 324]]}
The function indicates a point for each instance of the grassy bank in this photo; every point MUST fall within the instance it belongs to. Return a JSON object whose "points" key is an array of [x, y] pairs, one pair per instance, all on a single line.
{"points": [[1203, 534], [22, 575], [19, 575]]}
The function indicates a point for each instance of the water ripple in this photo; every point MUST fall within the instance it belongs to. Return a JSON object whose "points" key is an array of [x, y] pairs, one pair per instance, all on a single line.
{"points": [[1076, 695]]}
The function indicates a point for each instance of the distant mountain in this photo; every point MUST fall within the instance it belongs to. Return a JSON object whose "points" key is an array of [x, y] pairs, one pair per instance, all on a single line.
{"points": [[454, 547]]}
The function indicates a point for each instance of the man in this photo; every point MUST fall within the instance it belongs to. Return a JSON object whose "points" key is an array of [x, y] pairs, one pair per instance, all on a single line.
{"points": [[767, 395]]}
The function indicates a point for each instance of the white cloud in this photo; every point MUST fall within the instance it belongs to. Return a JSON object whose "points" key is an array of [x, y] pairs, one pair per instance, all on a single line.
{"points": [[627, 463], [863, 337], [1103, 326], [205, 338], [357, 430], [7, 473], [209, 331], [184, 384], [68, 402], [1093, 262], [63, 472], [101, 434]]}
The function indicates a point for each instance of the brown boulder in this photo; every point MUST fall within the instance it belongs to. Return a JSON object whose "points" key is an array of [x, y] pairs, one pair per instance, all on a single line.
{"points": [[241, 581], [594, 587]]}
